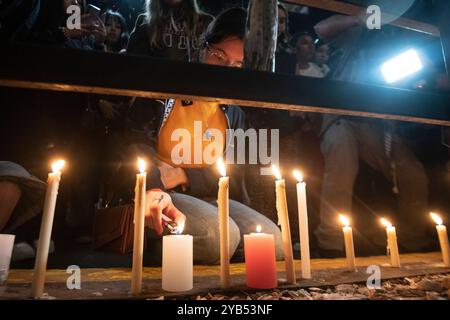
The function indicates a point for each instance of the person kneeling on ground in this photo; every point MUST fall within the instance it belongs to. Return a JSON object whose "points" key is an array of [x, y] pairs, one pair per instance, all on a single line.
{"points": [[21, 201], [193, 185]]}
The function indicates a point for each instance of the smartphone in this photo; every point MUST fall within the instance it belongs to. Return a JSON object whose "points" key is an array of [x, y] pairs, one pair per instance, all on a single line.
{"points": [[93, 10]]}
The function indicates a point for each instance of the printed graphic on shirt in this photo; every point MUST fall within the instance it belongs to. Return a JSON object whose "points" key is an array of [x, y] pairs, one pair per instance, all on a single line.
{"points": [[175, 36]]}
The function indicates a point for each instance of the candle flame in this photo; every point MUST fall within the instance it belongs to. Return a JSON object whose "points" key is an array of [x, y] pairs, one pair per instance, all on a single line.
{"points": [[276, 172], [344, 220], [58, 165], [180, 227], [436, 218], [141, 165], [221, 167], [298, 175], [386, 223], [258, 228]]}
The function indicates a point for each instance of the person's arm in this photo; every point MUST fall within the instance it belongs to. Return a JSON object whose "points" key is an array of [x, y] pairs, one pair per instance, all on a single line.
{"points": [[198, 182], [333, 26], [202, 181], [158, 203]]}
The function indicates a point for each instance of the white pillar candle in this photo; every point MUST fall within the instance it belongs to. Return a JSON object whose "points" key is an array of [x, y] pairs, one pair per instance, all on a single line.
{"points": [[443, 238], [303, 226], [348, 240], [45, 234], [139, 227], [224, 225], [392, 245], [177, 263], [283, 220], [6, 248]]}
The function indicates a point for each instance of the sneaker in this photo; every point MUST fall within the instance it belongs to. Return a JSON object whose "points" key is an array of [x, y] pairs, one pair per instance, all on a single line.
{"points": [[22, 251]]}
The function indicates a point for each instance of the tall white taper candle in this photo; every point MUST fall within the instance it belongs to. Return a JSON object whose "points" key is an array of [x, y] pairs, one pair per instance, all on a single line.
{"points": [[40, 265], [348, 241], [283, 220], [443, 238], [303, 226], [392, 243], [139, 227], [224, 225]]}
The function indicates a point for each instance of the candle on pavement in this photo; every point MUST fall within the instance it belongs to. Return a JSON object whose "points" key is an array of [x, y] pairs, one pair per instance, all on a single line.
{"points": [[348, 240], [443, 238], [392, 245], [260, 266], [303, 225], [224, 225], [40, 265], [283, 220], [177, 262], [139, 227]]}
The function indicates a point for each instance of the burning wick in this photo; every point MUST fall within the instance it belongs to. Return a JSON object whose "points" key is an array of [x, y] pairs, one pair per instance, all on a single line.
{"points": [[344, 220], [172, 226], [141, 165], [386, 223], [276, 172], [258, 228], [437, 219], [58, 165], [298, 175], [221, 167]]}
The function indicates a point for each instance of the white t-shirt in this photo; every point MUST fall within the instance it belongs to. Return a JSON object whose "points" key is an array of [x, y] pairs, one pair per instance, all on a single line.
{"points": [[312, 71], [325, 69]]}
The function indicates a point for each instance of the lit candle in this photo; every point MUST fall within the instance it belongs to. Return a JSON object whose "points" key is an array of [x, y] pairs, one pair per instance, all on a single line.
{"points": [[139, 226], [348, 240], [224, 225], [177, 262], [303, 225], [260, 266], [392, 245], [443, 238], [283, 220], [40, 265]]}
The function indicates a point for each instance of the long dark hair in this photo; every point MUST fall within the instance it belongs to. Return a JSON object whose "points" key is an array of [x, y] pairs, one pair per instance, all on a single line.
{"points": [[286, 33], [124, 36], [285, 41], [229, 23], [159, 15]]}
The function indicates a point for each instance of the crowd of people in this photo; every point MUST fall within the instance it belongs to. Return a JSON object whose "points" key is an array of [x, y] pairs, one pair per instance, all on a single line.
{"points": [[115, 129]]}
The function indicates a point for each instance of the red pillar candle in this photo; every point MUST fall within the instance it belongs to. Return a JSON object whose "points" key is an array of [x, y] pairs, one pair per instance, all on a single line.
{"points": [[260, 264]]}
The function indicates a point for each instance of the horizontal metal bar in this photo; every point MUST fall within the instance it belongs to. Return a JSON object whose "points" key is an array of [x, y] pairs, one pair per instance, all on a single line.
{"points": [[51, 68]]}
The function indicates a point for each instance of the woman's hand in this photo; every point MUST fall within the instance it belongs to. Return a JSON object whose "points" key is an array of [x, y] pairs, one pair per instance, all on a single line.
{"points": [[100, 32], [95, 26], [158, 203], [172, 177]]}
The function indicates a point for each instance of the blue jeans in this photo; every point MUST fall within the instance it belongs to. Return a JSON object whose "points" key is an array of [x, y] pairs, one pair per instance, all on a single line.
{"points": [[346, 143], [202, 223]]}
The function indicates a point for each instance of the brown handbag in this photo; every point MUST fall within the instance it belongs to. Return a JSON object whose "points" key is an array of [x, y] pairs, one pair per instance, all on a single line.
{"points": [[114, 229]]}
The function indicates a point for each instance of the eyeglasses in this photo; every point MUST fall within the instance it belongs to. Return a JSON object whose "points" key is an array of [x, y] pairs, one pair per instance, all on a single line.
{"points": [[222, 58]]}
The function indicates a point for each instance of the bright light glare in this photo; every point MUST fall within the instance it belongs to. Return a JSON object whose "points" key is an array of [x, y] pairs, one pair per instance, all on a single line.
{"points": [[401, 66]]}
